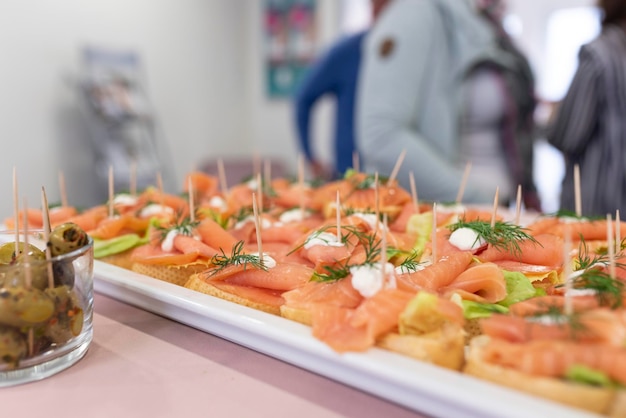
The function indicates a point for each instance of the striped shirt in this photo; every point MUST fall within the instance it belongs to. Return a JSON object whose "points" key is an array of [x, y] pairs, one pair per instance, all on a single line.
{"points": [[590, 127]]}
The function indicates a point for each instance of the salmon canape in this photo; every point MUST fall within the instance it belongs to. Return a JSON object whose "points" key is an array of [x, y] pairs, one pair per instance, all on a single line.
{"points": [[250, 279]]}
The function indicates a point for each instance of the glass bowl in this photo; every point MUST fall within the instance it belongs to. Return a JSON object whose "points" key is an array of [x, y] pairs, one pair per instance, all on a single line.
{"points": [[46, 308]]}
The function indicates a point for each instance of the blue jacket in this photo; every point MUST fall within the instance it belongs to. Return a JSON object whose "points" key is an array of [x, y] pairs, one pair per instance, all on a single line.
{"points": [[334, 73]]}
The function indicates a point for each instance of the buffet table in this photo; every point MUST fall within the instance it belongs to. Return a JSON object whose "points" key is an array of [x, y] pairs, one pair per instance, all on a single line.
{"points": [[141, 364]]}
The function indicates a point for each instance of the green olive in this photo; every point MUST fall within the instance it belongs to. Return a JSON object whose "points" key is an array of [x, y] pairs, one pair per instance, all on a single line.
{"points": [[8, 256], [66, 238], [21, 307], [63, 273], [67, 321], [13, 346]]}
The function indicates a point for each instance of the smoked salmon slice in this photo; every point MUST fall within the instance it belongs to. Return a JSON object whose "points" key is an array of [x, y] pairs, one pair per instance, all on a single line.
{"points": [[485, 281], [436, 276]]}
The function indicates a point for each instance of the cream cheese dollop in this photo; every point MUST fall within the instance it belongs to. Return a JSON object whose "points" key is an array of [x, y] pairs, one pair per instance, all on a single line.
{"points": [[466, 239], [125, 199], [293, 215], [268, 261], [368, 279], [155, 210], [322, 238]]}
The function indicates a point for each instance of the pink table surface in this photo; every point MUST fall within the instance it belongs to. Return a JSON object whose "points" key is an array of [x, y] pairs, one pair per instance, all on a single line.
{"points": [[140, 364]]}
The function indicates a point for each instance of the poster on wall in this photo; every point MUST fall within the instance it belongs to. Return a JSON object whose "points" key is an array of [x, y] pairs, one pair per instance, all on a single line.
{"points": [[289, 44]]}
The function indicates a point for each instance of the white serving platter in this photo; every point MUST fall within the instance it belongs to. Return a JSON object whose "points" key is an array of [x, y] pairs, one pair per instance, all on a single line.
{"points": [[416, 385]]}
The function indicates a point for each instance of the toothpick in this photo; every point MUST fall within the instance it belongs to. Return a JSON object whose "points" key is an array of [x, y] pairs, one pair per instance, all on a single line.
{"points": [[338, 215], [267, 172], [610, 245], [355, 161], [159, 181], [258, 225], [222, 176], [256, 164], [433, 238], [578, 203], [383, 250], [301, 184], [259, 183], [618, 232], [396, 168], [62, 189], [494, 213], [110, 191], [46, 236], [16, 213], [518, 204], [192, 207], [414, 193], [28, 280], [459, 196], [376, 201], [133, 177], [567, 270]]}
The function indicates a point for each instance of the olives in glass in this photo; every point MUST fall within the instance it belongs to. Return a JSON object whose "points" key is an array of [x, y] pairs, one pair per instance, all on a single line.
{"points": [[8, 256], [13, 346], [66, 238], [23, 307]]}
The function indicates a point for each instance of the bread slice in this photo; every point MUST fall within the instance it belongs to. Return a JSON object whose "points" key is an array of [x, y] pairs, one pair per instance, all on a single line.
{"points": [[120, 259], [195, 282], [178, 275], [606, 401], [296, 314], [444, 347]]}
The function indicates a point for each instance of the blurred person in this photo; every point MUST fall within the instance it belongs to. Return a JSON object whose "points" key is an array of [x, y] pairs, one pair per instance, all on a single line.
{"points": [[589, 126], [497, 127], [334, 73], [410, 93]]}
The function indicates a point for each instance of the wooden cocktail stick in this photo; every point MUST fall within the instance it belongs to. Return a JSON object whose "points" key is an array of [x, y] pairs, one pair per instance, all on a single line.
{"points": [[133, 178], [459, 195], [355, 162], [16, 213], [567, 270], [518, 204], [494, 213], [111, 192], [414, 193], [192, 205], [338, 215], [434, 234], [610, 244], [46, 236], [618, 232], [396, 168], [221, 173], [62, 189], [258, 225], [259, 182], [578, 202]]}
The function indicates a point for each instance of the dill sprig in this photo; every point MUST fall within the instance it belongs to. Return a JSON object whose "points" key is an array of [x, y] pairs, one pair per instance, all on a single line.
{"points": [[608, 291], [332, 273], [411, 263], [563, 213], [556, 315], [503, 235], [221, 261], [184, 226], [586, 260]]}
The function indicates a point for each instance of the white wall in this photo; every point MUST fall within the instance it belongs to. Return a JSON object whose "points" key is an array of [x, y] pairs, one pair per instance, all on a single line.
{"points": [[203, 61], [193, 64]]}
